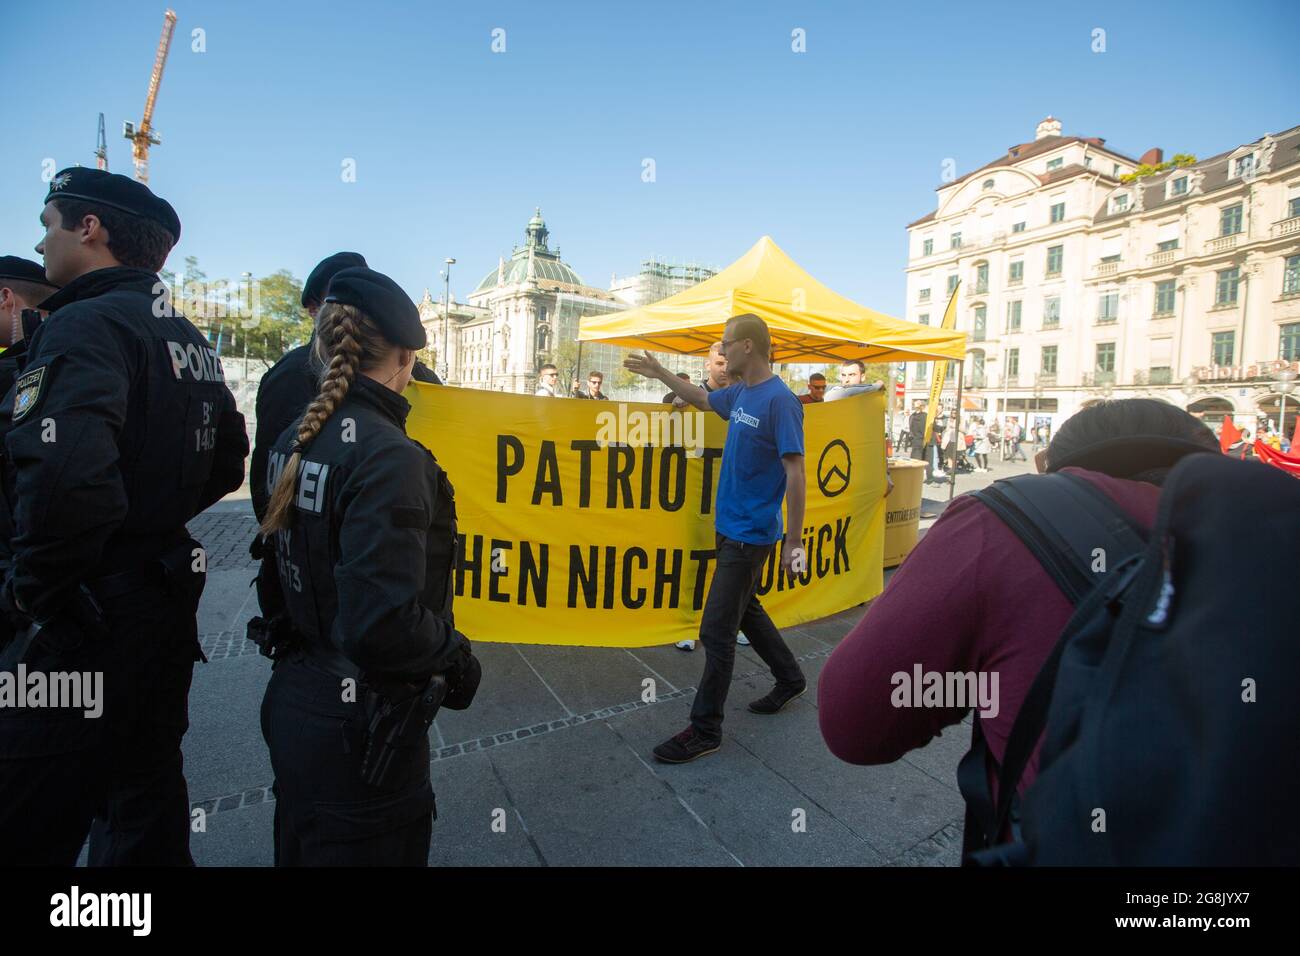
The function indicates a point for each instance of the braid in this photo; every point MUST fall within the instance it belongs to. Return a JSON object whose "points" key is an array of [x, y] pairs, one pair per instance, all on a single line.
{"points": [[351, 341]]}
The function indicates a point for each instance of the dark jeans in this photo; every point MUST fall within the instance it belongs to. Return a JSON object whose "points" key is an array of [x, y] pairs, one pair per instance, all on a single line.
{"points": [[118, 777], [325, 814], [918, 447], [733, 605]]}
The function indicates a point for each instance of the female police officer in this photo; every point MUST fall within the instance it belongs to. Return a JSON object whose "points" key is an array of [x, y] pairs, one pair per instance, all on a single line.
{"points": [[364, 524]]}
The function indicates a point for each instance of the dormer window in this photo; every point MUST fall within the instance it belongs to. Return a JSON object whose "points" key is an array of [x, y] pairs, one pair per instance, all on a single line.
{"points": [[1054, 164], [1177, 186], [1244, 166], [987, 184], [1119, 203]]}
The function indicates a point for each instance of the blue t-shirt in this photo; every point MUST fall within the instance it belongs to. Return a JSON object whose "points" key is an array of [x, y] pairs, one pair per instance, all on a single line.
{"points": [[765, 422]]}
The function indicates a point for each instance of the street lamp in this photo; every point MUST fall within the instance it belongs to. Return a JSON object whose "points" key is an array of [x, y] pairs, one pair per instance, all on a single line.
{"points": [[446, 318], [1188, 389]]}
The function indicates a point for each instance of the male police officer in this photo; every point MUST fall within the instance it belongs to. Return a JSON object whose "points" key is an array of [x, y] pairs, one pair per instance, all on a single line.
{"points": [[122, 430], [23, 287]]}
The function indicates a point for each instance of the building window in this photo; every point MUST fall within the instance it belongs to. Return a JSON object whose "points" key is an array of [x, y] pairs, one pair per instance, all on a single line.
{"points": [[1016, 272], [1290, 342], [927, 247], [1245, 165], [1052, 312], [1165, 297], [923, 318], [922, 371], [1055, 256], [954, 241], [981, 323], [952, 283], [982, 277], [988, 184], [924, 296], [1291, 276], [1020, 226], [1222, 347], [1178, 187], [1114, 258], [1049, 360], [1013, 362], [1293, 208], [1106, 360], [1169, 245], [1013, 316], [1230, 220], [1107, 307], [1053, 164], [1114, 170], [1225, 287], [1119, 203], [1058, 212]]}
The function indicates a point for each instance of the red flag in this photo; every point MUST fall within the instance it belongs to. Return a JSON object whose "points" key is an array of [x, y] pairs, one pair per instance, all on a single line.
{"points": [[1229, 435], [1271, 456]]}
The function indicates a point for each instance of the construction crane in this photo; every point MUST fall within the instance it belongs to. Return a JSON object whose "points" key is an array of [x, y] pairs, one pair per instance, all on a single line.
{"points": [[143, 136], [101, 147]]}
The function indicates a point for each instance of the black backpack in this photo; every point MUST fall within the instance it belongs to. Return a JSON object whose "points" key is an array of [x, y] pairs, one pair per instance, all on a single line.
{"points": [[1167, 703]]}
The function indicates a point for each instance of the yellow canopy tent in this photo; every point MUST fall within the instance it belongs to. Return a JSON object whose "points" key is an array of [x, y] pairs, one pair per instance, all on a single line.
{"points": [[808, 321]]}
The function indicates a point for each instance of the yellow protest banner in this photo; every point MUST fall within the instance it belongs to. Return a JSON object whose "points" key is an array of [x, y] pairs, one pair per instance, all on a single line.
{"points": [[591, 523]]}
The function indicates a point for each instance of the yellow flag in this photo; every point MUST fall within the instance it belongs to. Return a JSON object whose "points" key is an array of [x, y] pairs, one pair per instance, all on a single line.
{"points": [[941, 367]]}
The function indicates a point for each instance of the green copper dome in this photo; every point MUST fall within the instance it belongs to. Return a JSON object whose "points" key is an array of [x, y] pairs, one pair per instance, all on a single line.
{"points": [[547, 267]]}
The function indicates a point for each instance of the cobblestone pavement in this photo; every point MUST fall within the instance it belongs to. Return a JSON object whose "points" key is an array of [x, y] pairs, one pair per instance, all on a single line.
{"points": [[225, 536]]}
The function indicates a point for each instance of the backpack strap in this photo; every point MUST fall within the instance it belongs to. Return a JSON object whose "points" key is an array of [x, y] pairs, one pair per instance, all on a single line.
{"points": [[1062, 519]]}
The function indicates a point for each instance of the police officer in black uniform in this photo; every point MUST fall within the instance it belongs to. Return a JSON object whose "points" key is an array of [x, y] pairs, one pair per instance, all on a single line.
{"points": [[292, 382], [23, 287], [363, 524], [122, 429]]}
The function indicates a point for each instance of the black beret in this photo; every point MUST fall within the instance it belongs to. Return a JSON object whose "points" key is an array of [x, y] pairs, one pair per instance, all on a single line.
{"points": [[383, 300], [115, 190], [24, 270], [313, 290]]}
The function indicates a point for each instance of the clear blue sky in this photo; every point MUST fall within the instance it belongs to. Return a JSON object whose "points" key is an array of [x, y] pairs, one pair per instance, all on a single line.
{"points": [[831, 152]]}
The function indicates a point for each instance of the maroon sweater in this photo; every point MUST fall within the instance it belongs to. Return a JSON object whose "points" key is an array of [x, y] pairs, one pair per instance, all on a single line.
{"points": [[970, 597]]}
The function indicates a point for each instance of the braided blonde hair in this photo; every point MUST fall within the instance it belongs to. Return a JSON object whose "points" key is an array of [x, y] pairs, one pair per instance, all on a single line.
{"points": [[347, 342]]}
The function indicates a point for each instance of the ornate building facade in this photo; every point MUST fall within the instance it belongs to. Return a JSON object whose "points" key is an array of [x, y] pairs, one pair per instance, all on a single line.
{"points": [[1078, 281], [525, 313]]}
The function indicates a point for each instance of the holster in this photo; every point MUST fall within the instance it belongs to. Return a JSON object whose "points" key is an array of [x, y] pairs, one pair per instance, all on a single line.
{"points": [[395, 723], [274, 638]]}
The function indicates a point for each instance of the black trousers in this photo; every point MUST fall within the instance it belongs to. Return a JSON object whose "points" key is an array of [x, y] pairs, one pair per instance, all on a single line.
{"points": [[325, 814], [118, 777], [733, 605]]}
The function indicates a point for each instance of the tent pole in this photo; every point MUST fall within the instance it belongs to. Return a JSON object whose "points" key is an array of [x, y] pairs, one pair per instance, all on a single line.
{"points": [[956, 431], [577, 372]]}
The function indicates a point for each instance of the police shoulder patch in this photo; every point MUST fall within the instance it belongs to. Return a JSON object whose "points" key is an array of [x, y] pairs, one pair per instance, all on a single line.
{"points": [[27, 391]]}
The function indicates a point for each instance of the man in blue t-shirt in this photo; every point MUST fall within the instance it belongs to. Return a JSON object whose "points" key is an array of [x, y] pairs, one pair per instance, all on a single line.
{"points": [[762, 465]]}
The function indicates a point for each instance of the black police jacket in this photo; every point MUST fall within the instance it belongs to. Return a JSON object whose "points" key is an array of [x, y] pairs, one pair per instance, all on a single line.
{"points": [[283, 394], [365, 569], [121, 430]]}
